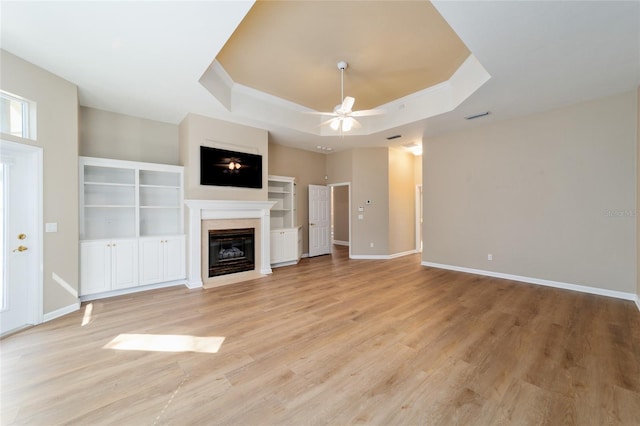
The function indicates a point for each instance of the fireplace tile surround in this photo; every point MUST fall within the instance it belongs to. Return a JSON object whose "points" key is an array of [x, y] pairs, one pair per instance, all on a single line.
{"points": [[225, 214]]}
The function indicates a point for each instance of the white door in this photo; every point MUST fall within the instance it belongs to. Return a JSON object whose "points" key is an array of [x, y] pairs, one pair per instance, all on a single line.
{"points": [[21, 183], [95, 267], [174, 260], [124, 264], [151, 256], [290, 244], [319, 220], [276, 244]]}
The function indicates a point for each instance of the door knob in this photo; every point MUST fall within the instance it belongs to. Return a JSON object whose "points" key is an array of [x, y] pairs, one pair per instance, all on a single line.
{"points": [[22, 236], [20, 248]]}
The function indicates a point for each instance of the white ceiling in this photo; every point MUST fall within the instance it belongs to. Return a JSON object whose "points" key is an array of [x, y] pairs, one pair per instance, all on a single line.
{"points": [[145, 58]]}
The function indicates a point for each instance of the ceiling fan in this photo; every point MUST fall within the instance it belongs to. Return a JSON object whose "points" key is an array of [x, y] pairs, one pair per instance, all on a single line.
{"points": [[342, 115]]}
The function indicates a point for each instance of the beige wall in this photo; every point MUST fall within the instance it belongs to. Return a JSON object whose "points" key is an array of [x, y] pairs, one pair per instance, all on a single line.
{"points": [[386, 177], [57, 134], [339, 167], [109, 135], [341, 213], [417, 169], [370, 182], [308, 168], [546, 194], [401, 201], [195, 131], [638, 199]]}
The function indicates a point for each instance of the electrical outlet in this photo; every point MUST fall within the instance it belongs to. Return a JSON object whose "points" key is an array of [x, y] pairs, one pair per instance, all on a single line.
{"points": [[489, 257], [370, 244]]}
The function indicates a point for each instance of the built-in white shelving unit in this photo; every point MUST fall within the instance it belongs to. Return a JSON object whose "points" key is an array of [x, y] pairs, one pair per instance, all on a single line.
{"points": [[285, 235], [122, 202]]}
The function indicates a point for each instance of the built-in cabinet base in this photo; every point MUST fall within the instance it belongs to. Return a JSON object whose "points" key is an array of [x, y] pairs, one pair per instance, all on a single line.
{"points": [[286, 237], [286, 246], [131, 226]]}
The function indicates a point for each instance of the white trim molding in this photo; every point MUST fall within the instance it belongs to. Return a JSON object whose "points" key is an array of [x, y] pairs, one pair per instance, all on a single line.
{"points": [[61, 312], [638, 301], [200, 210], [381, 256], [538, 281], [132, 290]]}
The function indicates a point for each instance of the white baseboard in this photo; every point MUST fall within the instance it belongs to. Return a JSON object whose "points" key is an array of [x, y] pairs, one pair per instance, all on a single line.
{"points": [[341, 243], [538, 281], [61, 312], [287, 263], [380, 256], [132, 290], [193, 285], [404, 253], [638, 301]]}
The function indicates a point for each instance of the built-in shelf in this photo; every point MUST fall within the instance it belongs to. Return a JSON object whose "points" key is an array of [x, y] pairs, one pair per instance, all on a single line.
{"points": [[282, 190], [123, 205], [284, 232]]}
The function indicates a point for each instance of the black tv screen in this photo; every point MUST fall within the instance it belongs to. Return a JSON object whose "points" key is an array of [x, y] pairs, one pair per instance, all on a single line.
{"points": [[220, 167]]}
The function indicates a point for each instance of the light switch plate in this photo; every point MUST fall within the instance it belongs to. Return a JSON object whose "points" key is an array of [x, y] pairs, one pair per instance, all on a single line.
{"points": [[51, 227]]}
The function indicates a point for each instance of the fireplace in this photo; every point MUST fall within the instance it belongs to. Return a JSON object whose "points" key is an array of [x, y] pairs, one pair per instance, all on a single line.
{"points": [[231, 251], [207, 215]]}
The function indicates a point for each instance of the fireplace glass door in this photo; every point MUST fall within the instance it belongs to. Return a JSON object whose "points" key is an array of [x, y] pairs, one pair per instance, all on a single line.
{"points": [[231, 251]]}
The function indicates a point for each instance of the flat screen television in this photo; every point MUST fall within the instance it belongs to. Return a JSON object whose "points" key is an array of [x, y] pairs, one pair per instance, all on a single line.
{"points": [[220, 167]]}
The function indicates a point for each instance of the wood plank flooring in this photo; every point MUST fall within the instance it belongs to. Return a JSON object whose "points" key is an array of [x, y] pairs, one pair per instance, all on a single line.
{"points": [[336, 341]]}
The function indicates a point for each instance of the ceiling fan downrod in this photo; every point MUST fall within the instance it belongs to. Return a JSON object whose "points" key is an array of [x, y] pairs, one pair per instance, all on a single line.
{"points": [[342, 65]]}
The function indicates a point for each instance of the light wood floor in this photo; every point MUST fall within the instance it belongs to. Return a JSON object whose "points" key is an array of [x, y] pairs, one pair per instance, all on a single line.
{"points": [[333, 341]]}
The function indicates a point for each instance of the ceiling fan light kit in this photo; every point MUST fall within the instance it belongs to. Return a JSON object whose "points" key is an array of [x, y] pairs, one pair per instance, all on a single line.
{"points": [[342, 113]]}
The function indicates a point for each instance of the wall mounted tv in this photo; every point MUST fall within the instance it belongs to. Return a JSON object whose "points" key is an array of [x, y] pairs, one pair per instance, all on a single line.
{"points": [[220, 167]]}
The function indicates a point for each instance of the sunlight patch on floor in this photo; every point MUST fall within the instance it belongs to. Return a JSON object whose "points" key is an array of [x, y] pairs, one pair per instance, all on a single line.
{"points": [[165, 343], [86, 318]]}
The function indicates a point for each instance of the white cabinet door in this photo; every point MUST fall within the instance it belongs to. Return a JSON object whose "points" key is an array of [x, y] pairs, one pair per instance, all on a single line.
{"points": [[151, 256], [174, 259], [277, 243], [161, 259], [290, 244], [124, 264], [108, 265], [284, 245], [95, 267]]}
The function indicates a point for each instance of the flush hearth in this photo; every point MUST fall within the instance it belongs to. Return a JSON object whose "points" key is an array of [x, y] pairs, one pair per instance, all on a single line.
{"points": [[231, 251]]}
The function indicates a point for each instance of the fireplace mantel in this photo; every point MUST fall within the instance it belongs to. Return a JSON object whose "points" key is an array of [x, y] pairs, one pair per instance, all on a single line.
{"points": [[199, 210]]}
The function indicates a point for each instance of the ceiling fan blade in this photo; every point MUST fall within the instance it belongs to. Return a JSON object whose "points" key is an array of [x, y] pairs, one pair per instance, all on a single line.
{"points": [[367, 112], [347, 104], [350, 123], [329, 121], [356, 124], [332, 114]]}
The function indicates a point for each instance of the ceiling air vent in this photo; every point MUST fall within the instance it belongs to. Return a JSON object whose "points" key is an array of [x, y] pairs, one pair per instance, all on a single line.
{"points": [[482, 114], [390, 138]]}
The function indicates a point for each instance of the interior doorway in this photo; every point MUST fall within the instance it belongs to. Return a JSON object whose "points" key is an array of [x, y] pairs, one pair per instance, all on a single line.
{"points": [[21, 236], [341, 214], [419, 207]]}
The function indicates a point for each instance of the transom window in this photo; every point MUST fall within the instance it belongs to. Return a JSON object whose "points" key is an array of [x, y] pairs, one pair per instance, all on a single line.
{"points": [[16, 116]]}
